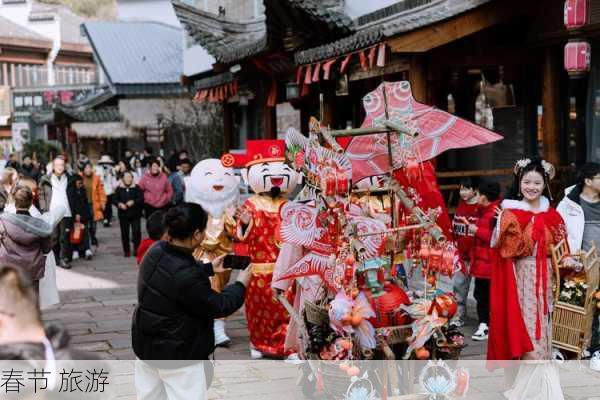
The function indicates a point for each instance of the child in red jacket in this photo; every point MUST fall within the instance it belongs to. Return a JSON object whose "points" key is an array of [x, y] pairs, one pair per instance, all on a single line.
{"points": [[482, 256], [155, 226], [466, 215]]}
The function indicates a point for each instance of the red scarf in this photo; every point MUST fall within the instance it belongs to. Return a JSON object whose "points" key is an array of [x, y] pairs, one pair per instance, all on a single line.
{"points": [[552, 220]]}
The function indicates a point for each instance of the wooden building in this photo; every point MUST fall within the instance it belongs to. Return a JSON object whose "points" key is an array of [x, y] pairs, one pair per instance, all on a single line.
{"points": [[447, 49]]}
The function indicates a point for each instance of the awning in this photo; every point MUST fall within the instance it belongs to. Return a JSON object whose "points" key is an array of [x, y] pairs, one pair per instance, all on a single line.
{"points": [[145, 113], [102, 130]]}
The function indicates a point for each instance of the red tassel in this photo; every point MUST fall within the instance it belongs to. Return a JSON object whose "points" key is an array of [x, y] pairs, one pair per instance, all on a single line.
{"points": [[381, 55], [299, 74], [308, 76], [372, 53], [363, 61], [327, 68], [317, 71], [234, 86], [344, 65], [305, 90]]}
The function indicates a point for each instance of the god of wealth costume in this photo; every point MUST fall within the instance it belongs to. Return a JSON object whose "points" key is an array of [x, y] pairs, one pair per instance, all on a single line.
{"points": [[270, 178], [216, 188]]}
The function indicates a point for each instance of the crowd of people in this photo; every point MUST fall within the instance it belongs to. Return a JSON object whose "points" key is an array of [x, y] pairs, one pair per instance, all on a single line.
{"points": [[137, 185]]}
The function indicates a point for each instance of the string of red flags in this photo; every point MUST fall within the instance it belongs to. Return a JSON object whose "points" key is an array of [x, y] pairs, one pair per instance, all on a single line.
{"points": [[216, 94], [374, 56]]}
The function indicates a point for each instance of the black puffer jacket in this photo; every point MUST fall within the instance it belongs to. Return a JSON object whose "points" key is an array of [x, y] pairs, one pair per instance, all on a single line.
{"points": [[177, 307]]}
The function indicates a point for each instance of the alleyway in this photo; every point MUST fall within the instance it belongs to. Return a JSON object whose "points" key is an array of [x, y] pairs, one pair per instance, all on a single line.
{"points": [[98, 298]]}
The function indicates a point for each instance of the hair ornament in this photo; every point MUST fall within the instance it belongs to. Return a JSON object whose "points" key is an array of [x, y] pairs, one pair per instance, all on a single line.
{"points": [[549, 169], [520, 164]]}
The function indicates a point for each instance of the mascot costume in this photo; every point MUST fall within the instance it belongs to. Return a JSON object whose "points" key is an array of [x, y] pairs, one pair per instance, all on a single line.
{"points": [[216, 188], [270, 178]]}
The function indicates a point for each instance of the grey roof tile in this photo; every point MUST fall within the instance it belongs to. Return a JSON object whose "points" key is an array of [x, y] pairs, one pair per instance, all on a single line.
{"points": [[226, 40], [137, 52], [394, 20], [102, 114], [9, 29]]}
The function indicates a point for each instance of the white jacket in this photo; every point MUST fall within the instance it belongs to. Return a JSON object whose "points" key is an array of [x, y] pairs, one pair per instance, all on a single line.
{"points": [[572, 214]]}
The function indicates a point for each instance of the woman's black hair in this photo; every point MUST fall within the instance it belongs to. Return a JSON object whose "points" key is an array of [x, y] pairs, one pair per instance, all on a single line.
{"points": [[534, 165], [155, 225], [185, 219]]}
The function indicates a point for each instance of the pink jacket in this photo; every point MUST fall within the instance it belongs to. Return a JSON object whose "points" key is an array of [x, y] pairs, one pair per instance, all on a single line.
{"points": [[157, 189]]}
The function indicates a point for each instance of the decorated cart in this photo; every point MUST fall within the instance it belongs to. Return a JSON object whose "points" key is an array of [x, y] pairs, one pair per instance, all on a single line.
{"points": [[368, 237], [576, 298]]}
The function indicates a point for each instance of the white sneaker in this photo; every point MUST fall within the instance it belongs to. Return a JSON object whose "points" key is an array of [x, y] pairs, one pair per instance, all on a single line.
{"points": [[221, 338], [481, 333], [88, 254], [255, 354], [75, 255], [293, 359], [595, 361]]}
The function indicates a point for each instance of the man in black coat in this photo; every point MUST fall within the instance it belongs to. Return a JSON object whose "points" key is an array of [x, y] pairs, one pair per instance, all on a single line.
{"points": [[129, 199]]}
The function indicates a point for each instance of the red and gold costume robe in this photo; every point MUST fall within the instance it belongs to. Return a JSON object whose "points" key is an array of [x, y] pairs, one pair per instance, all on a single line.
{"points": [[267, 318]]}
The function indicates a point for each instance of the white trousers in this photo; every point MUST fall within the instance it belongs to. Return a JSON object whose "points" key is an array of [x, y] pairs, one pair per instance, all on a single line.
{"points": [[186, 383]]}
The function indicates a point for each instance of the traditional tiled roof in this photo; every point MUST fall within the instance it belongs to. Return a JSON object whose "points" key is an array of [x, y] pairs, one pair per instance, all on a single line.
{"points": [[356, 41], [387, 22], [137, 53], [102, 114], [70, 23], [15, 32], [318, 10], [224, 39], [231, 40]]}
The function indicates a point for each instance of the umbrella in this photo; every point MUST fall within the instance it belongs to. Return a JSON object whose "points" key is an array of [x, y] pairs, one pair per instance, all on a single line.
{"points": [[438, 131]]}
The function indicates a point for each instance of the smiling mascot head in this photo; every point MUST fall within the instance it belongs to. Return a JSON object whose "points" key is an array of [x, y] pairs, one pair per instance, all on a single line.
{"points": [[266, 171], [213, 186]]}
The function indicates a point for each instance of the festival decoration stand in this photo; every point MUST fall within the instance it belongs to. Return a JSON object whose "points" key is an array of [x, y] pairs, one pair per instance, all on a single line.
{"points": [[575, 298], [366, 308]]}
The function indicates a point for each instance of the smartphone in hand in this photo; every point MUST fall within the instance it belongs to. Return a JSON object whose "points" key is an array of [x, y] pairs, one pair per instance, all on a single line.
{"points": [[236, 262]]}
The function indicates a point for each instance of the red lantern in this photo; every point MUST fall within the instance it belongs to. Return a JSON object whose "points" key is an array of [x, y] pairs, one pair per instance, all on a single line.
{"points": [[577, 57], [576, 13], [387, 305]]}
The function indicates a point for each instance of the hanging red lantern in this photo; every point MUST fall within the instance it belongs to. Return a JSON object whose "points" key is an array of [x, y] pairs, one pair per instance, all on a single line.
{"points": [[387, 307], [577, 57], [576, 14]]}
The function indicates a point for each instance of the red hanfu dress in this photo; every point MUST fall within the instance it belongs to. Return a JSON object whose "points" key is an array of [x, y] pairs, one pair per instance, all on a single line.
{"points": [[521, 285]]}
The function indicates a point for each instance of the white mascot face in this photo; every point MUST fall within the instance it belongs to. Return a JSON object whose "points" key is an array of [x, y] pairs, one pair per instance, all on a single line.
{"points": [[271, 177], [213, 186]]}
